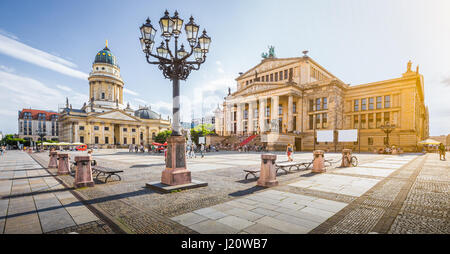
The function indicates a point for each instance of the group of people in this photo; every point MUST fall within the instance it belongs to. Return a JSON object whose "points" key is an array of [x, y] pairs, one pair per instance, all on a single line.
{"points": [[191, 148], [136, 148]]}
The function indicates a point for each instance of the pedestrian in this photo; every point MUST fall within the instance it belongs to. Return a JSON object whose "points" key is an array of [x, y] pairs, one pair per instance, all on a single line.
{"points": [[441, 151], [1, 150], [202, 150], [136, 148], [130, 148], [289, 151]]}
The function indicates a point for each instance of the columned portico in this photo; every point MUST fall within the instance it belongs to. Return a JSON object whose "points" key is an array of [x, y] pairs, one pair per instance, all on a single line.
{"points": [[262, 117]]}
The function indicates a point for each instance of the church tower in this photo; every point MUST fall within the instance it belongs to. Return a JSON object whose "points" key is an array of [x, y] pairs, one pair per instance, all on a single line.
{"points": [[105, 83]]}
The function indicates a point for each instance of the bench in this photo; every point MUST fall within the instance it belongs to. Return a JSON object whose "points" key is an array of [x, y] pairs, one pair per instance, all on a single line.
{"points": [[106, 171], [288, 165], [251, 172]]}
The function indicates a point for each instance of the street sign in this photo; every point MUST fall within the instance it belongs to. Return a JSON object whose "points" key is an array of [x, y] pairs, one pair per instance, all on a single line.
{"points": [[201, 140]]}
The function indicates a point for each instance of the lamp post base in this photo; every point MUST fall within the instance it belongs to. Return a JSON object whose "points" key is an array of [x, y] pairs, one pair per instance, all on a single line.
{"points": [[176, 172]]}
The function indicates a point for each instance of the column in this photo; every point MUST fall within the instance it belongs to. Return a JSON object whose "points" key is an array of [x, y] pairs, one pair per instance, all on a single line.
{"points": [[250, 127], [290, 123], [76, 139], [299, 114], [239, 119], [228, 120], [262, 116], [274, 114]]}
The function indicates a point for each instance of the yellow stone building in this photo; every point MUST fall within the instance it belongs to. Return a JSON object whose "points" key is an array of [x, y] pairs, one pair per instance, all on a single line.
{"points": [[285, 100], [105, 120]]}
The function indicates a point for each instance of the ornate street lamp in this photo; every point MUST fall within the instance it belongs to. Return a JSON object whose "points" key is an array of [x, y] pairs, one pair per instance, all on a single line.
{"points": [[175, 65], [41, 134], [387, 128]]}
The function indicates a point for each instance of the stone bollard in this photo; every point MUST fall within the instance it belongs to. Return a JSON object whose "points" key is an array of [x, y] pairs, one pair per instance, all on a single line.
{"points": [[83, 172], [63, 164], [318, 163], [53, 163], [346, 156], [267, 177]]}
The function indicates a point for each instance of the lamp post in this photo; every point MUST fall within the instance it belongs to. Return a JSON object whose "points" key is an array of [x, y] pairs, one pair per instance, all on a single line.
{"points": [[41, 134], [387, 128], [175, 65]]}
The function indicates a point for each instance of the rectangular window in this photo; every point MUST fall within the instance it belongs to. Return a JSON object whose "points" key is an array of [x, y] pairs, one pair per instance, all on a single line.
{"points": [[267, 111], [294, 107], [370, 121], [81, 139], [262, 78], [245, 114], [387, 118], [255, 113], [281, 75], [356, 105], [246, 83], [311, 105], [234, 116], [96, 128], [387, 101], [355, 122], [363, 121], [267, 78], [106, 128], [280, 109], [106, 140], [378, 102], [378, 119], [371, 103], [124, 141], [370, 141], [318, 104], [271, 77], [133, 140], [125, 129], [291, 72], [318, 121], [285, 74], [96, 140], [276, 76], [364, 104], [325, 103], [324, 120], [81, 129], [133, 130], [311, 122]]}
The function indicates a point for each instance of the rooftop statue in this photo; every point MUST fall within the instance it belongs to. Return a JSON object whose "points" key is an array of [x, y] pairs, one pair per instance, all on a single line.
{"points": [[270, 54]]}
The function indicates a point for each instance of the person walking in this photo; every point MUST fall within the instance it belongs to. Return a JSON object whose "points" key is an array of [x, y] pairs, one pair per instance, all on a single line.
{"points": [[202, 150], [289, 151], [441, 151]]}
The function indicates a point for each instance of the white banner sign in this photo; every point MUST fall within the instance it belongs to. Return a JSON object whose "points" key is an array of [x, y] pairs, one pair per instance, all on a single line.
{"points": [[348, 135], [201, 140], [324, 136]]}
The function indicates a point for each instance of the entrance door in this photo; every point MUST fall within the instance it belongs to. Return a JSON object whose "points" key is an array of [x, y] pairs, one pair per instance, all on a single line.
{"points": [[298, 144], [116, 134]]}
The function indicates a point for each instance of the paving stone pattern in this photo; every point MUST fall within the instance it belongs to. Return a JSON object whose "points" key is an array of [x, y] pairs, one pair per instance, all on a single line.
{"points": [[33, 202]]}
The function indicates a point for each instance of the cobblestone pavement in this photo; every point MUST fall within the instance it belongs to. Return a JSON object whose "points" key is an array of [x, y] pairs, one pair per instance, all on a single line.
{"points": [[32, 201], [343, 200]]}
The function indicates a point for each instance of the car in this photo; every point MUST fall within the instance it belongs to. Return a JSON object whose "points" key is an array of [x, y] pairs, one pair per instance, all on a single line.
{"points": [[81, 148]]}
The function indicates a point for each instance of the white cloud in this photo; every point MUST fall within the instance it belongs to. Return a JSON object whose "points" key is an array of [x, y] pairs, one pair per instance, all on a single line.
{"points": [[64, 88], [6, 68], [18, 92], [10, 35], [128, 91], [16, 49]]}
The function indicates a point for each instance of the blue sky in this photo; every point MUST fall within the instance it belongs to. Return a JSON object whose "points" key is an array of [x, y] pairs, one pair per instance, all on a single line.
{"points": [[47, 48]]}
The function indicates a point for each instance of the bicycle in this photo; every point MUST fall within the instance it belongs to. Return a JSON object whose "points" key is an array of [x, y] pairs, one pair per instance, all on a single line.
{"points": [[352, 161]]}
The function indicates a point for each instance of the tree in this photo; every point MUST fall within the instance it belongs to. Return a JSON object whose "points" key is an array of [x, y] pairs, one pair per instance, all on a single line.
{"points": [[162, 136]]}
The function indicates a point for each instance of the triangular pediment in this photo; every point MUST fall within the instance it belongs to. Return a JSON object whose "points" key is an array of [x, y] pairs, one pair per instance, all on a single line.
{"points": [[117, 115], [267, 65]]}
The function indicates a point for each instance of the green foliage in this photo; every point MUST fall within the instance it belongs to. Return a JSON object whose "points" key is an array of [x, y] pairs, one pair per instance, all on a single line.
{"points": [[10, 140], [162, 136], [201, 131]]}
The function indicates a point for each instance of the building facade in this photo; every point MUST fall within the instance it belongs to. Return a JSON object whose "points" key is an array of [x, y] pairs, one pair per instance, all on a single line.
{"points": [[32, 122], [286, 100], [105, 120]]}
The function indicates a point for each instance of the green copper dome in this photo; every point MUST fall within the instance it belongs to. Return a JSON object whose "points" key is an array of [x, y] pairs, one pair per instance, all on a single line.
{"points": [[105, 56]]}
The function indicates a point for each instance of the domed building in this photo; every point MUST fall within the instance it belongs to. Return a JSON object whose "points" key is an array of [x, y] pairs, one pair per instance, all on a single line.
{"points": [[105, 120]]}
